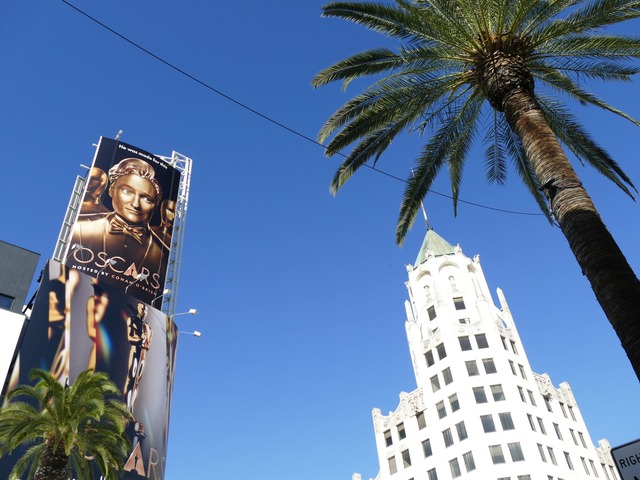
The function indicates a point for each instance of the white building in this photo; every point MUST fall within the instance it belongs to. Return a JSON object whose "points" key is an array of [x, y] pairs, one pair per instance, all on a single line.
{"points": [[479, 411]]}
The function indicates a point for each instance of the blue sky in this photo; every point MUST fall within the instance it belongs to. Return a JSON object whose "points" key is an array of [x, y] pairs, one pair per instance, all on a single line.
{"points": [[300, 294]]}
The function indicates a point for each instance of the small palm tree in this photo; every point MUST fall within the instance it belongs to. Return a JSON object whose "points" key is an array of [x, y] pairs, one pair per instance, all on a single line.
{"points": [[73, 429], [469, 69]]}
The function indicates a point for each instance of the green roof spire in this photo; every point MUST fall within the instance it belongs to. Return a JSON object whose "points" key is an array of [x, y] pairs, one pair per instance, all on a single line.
{"points": [[434, 243]]}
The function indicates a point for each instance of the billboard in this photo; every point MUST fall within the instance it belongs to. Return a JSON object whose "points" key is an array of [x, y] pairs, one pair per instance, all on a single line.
{"points": [[80, 322], [125, 223]]}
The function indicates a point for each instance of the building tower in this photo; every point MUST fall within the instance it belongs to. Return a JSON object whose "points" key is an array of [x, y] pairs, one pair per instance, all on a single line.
{"points": [[479, 411]]}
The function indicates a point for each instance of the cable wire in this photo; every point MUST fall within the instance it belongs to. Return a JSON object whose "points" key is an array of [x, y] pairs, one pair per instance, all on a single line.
{"points": [[266, 117]]}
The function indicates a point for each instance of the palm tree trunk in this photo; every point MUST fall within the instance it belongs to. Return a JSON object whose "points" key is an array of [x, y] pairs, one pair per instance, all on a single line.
{"points": [[53, 465], [614, 283]]}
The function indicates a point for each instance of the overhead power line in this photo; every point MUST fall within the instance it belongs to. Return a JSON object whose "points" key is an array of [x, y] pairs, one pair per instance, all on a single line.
{"points": [[264, 116]]}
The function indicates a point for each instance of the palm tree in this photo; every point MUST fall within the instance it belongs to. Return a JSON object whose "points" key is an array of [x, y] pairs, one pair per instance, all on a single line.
{"points": [[466, 68], [73, 429]]}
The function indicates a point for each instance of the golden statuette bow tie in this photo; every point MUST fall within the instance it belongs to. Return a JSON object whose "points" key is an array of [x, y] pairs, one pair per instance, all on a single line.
{"points": [[118, 226]]}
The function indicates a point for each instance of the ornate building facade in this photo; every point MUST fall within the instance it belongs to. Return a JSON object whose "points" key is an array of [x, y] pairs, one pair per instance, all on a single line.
{"points": [[479, 411]]}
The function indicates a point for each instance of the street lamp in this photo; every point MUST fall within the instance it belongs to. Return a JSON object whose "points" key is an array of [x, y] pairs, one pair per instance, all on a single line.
{"points": [[195, 333], [74, 247], [140, 277], [110, 262], [191, 311]]}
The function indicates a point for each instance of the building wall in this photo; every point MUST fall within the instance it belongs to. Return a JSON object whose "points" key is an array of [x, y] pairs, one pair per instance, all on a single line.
{"points": [[17, 266], [479, 411], [10, 329]]}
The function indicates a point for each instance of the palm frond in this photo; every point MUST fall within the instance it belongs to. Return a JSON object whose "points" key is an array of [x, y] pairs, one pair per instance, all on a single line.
{"points": [[448, 144], [592, 16], [564, 84], [592, 46], [572, 134], [495, 154]]}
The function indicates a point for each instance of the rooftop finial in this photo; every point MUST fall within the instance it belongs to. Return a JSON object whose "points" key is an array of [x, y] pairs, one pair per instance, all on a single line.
{"points": [[424, 211]]}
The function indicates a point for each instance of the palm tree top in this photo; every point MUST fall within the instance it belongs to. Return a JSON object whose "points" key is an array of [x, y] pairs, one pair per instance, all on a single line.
{"points": [[66, 425], [455, 67]]}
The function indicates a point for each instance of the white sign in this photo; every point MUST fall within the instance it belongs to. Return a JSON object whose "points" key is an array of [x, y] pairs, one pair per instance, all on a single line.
{"points": [[627, 458]]}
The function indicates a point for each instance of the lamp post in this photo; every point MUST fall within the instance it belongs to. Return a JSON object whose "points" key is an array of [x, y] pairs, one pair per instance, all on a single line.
{"points": [[140, 277], [195, 333]]}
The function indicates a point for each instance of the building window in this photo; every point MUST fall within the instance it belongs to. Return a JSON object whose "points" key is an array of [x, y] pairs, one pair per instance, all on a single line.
{"points": [[516, 452], [458, 302], [547, 402], [487, 423], [498, 394], [604, 469], [426, 448], [472, 368], [567, 457], [564, 411], [593, 468], [504, 343], [582, 440], [478, 393], [496, 454], [556, 427], [522, 372], [513, 367], [524, 477], [469, 463], [532, 398], [429, 357], [442, 353], [6, 301], [406, 459], [447, 437], [541, 452], [393, 468], [401, 433], [521, 392], [442, 411], [489, 366], [455, 468], [531, 422], [387, 438], [506, 421], [465, 343], [446, 375], [431, 311], [453, 401], [552, 456], [584, 465], [422, 423], [481, 340], [513, 347], [573, 435], [541, 425], [462, 431], [435, 383], [432, 474]]}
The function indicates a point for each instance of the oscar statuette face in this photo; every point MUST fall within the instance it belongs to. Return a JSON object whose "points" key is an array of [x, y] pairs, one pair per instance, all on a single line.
{"points": [[170, 211], [134, 198]]}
